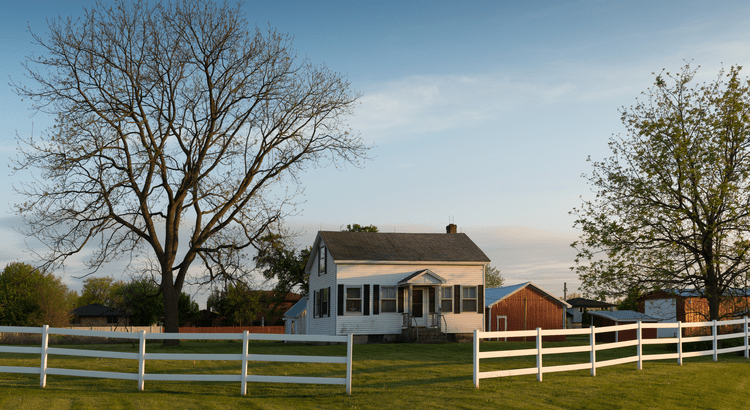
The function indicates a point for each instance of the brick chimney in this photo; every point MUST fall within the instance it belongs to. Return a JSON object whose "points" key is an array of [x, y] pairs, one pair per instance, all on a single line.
{"points": [[452, 228]]}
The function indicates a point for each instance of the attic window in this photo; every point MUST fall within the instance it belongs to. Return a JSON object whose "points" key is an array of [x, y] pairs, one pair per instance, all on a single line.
{"points": [[322, 260]]}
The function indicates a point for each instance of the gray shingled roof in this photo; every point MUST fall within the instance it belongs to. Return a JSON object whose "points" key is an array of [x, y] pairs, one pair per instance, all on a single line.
{"points": [[381, 246], [96, 310]]}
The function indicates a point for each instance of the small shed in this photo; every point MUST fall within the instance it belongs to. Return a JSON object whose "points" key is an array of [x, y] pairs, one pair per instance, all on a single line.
{"points": [[581, 305], [525, 306], [97, 314], [295, 319], [690, 305], [621, 317]]}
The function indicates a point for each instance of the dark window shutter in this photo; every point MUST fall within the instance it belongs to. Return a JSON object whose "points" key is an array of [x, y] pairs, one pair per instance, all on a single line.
{"points": [[375, 299], [328, 309], [316, 303], [401, 300], [432, 300], [456, 298], [340, 297], [366, 308], [480, 298]]}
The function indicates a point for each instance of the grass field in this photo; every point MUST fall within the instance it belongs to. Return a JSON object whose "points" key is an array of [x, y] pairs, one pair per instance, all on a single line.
{"points": [[385, 376]]}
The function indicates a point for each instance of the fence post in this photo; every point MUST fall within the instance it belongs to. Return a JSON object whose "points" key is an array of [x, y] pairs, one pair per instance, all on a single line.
{"points": [[349, 343], [475, 359], [245, 337], [539, 354], [746, 344], [640, 346], [679, 343], [592, 340], [141, 359], [43, 366], [716, 341]]}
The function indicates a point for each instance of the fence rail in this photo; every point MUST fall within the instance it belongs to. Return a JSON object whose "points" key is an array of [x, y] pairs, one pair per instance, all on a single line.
{"points": [[44, 351], [593, 347]]}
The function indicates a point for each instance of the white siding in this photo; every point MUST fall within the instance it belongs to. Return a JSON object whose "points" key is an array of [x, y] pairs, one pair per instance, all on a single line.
{"points": [[390, 275], [666, 311], [322, 325]]}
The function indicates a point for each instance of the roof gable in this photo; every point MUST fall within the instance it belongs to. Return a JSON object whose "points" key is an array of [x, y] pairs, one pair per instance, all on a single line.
{"points": [[401, 247], [424, 276]]}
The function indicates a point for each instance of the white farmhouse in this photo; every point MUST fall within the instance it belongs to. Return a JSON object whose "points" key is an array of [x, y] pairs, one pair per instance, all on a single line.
{"points": [[394, 286]]}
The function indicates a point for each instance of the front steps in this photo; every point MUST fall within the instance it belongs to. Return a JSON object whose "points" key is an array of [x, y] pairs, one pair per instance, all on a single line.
{"points": [[424, 335]]}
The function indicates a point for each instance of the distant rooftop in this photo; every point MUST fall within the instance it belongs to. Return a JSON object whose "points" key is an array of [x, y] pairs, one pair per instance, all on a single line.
{"points": [[624, 316]]}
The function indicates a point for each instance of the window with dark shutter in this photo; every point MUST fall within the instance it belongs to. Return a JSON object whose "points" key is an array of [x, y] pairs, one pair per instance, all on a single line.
{"points": [[388, 299], [446, 299], [469, 299]]}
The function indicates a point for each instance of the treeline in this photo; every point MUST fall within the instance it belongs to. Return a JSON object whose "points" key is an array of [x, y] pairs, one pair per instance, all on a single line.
{"points": [[32, 297]]}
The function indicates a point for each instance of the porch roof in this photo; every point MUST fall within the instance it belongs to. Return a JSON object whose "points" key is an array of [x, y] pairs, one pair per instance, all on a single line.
{"points": [[422, 277]]}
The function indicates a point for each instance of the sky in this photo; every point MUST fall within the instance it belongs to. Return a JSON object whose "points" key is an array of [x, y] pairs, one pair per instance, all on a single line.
{"points": [[478, 113]]}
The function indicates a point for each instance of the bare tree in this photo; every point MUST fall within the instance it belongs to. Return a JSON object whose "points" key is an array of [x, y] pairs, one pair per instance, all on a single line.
{"points": [[172, 122]]}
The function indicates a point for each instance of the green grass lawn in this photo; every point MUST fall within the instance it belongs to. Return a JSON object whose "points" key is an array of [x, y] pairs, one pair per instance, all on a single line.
{"points": [[385, 376]]}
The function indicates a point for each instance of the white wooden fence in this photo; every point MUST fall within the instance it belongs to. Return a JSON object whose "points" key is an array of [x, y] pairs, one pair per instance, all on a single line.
{"points": [[142, 356], [593, 347]]}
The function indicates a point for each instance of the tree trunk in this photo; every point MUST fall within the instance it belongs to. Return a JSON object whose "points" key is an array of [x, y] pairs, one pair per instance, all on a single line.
{"points": [[171, 313]]}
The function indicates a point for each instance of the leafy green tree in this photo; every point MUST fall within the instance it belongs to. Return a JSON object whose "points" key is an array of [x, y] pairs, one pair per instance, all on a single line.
{"points": [[102, 290], [32, 297], [278, 260], [671, 206], [359, 228], [631, 301], [493, 278], [142, 299], [188, 308], [238, 303], [173, 120]]}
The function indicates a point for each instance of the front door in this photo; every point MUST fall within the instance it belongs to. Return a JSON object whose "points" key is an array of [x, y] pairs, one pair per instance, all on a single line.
{"points": [[417, 306]]}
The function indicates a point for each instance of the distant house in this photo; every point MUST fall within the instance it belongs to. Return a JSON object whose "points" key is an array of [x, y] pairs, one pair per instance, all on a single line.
{"points": [[389, 286], [689, 306], [581, 305], [621, 317], [525, 306], [97, 314]]}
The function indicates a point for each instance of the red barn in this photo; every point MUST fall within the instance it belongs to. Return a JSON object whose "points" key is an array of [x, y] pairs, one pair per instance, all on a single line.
{"points": [[524, 307]]}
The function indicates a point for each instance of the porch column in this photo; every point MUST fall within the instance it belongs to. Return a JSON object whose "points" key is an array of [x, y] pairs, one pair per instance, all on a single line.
{"points": [[439, 301]]}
